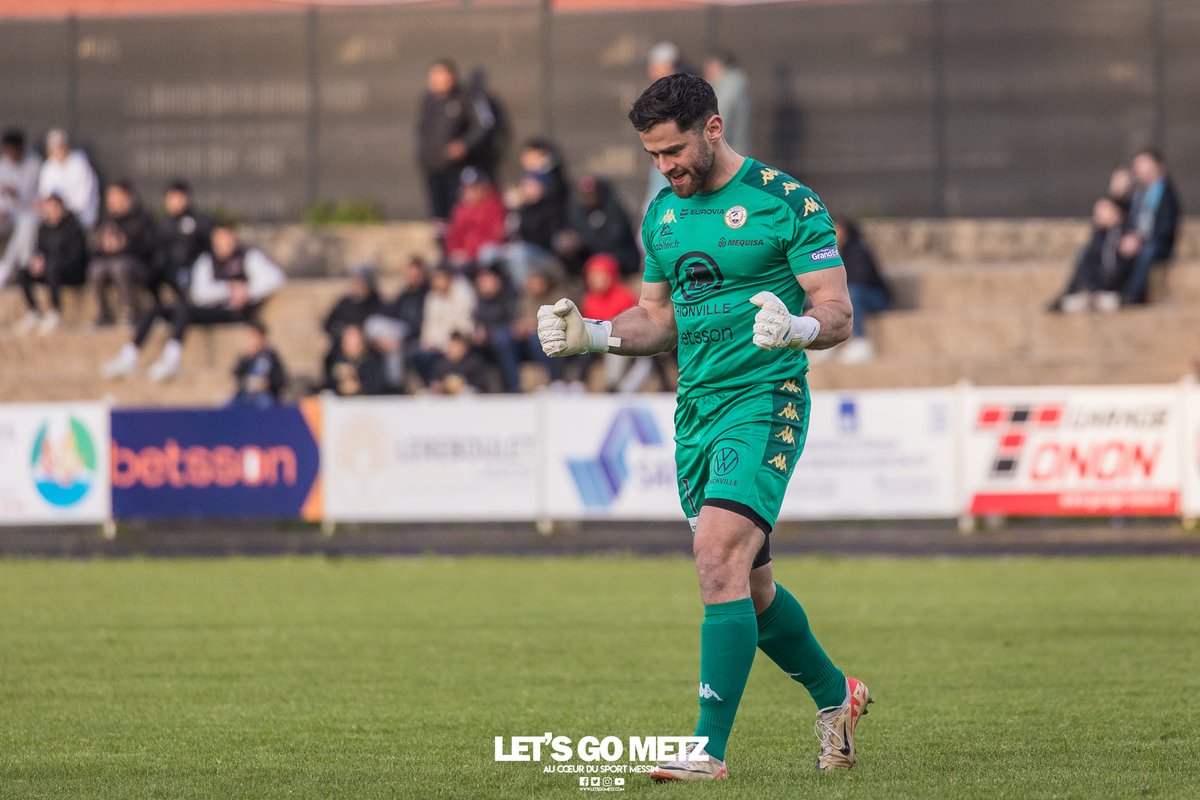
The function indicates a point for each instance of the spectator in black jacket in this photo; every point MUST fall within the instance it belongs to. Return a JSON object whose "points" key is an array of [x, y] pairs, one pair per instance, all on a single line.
{"points": [[60, 258], [1153, 219], [597, 224], [360, 303], [495, 312], [869, 292], [259, 371], [1100, 270], [356, 369], [461, 369], [126, 244], [184, 234], [448, 133]]}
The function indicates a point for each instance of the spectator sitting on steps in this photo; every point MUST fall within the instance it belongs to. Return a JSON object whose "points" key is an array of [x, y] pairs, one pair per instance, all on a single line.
{"points": [[230, 283], [259, 371], [1153, 218], [356, 369], [1100, 269], [59, 259], [869, 291], [68, 174], [127, 245], [461, 369]]}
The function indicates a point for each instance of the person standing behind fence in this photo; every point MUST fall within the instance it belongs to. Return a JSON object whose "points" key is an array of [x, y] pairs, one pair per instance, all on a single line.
{"points": [[68, 174], [1154, 218], [448, 133]]}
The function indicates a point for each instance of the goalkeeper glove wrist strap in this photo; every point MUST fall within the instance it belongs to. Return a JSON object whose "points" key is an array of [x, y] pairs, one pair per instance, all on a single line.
{"points": [[804, 332], [600, 337]]}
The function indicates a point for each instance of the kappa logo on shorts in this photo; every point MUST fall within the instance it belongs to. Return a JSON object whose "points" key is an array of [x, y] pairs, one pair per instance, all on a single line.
{"points": [[724, 461]]}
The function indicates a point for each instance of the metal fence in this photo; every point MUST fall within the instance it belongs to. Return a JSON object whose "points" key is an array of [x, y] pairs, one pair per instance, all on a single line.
{"points": [[886, 107]]}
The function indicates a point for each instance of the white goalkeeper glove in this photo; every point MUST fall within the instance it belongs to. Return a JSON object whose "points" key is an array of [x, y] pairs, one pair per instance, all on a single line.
{"points": [[775, 327], [563, 331]]}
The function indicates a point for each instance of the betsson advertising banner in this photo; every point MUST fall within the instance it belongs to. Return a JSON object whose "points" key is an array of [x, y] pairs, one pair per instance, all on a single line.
{"points": [[224, 463], [1073, 451], [432, 459], [54, 463], [884, 453]]}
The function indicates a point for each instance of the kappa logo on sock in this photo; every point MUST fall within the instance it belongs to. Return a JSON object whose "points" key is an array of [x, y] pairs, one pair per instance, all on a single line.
{"points": [[707, 693]]}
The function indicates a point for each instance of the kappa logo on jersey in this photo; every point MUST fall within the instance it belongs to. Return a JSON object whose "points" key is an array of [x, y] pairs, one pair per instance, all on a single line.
{"points": [[736, 217], [789, 187], [668, 217], [810, 204], [697, 275], [707, 693], [1015, 420], [768, 175]]}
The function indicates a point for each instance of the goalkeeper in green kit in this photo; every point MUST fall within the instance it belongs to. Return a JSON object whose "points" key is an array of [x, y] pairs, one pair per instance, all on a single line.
{"points": [[733, 247]]}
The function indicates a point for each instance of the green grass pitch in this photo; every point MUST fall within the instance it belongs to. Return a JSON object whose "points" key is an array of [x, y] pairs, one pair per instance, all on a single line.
{"points": [[313, 678]]}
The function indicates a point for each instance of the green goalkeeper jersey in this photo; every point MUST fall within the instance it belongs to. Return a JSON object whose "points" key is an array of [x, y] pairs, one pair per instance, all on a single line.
{"points": [[717, 250]]}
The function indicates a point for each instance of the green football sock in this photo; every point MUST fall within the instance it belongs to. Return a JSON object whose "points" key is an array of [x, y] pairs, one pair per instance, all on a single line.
{"points": [[727, 643], [785, 636]]}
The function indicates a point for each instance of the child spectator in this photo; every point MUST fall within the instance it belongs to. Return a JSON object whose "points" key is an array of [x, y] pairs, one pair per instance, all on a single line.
{"points": [[259, 372], [461, 369], [355, 369], [59, 259], [605, 298], [360, 302]]}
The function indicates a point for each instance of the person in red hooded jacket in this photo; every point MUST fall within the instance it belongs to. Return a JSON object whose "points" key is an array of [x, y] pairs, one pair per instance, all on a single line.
{"points": [[605, 297], [477, 220]]}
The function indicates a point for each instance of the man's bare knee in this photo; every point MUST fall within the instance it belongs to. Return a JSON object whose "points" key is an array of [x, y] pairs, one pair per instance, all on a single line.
{"points": [[762, 587]]}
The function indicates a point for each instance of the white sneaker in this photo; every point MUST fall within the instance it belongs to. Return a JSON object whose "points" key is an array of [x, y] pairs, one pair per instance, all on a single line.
{"points": [[26, 324], [1106, 302], [679, 770], [50, 323], [167, 366], [124, 364], [856, 351]]}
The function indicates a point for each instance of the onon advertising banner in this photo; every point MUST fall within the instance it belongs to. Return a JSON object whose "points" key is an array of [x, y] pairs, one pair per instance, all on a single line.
{"points": [[53, 463], [1073, 451], [877, 454], [222, 463], [611, 457], [1190, 439], [431, 458]]}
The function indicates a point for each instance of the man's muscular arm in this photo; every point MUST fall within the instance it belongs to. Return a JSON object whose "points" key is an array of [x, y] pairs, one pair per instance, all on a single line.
{"points": [[649, 327], [825, 325]]}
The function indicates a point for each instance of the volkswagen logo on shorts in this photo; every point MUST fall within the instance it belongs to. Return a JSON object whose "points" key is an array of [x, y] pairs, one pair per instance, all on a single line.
{"points": [[724, 461], [697, 275]]}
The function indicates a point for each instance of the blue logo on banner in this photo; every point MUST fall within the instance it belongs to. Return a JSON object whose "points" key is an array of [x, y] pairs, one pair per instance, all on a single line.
{"points": [[848, 416], [600, 479], [235, 462]]}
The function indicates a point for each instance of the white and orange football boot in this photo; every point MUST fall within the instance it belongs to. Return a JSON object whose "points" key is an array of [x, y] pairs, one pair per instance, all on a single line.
{"points": [[679, 770], [835, 727]]}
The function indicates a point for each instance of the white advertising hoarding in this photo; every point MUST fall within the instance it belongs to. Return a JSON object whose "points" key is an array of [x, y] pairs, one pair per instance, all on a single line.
{"points": [[877, 454], [1190, 444], [1073, 451], [54, 463], [611, 457], [436, 458]]}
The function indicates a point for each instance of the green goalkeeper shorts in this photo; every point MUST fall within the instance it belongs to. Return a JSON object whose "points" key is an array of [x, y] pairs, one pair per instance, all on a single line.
{"points": [[737, 449]]}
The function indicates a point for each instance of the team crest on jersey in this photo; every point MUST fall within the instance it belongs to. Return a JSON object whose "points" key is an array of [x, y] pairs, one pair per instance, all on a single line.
{"points": [[736, 217]]}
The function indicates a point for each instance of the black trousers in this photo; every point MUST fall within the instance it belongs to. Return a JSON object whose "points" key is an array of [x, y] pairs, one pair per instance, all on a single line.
{"points": [[53, 279]]}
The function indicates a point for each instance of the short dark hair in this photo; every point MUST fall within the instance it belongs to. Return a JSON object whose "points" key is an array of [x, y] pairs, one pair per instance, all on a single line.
{"points": [[13, 137], [179, 185], [686, 100], [124, 185], [446, 64]]}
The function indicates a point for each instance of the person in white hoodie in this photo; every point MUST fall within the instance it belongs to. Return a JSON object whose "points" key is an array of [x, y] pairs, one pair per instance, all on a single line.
{"points": [[229, 284], [19, 170], [68, 174], [449, 309]]}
